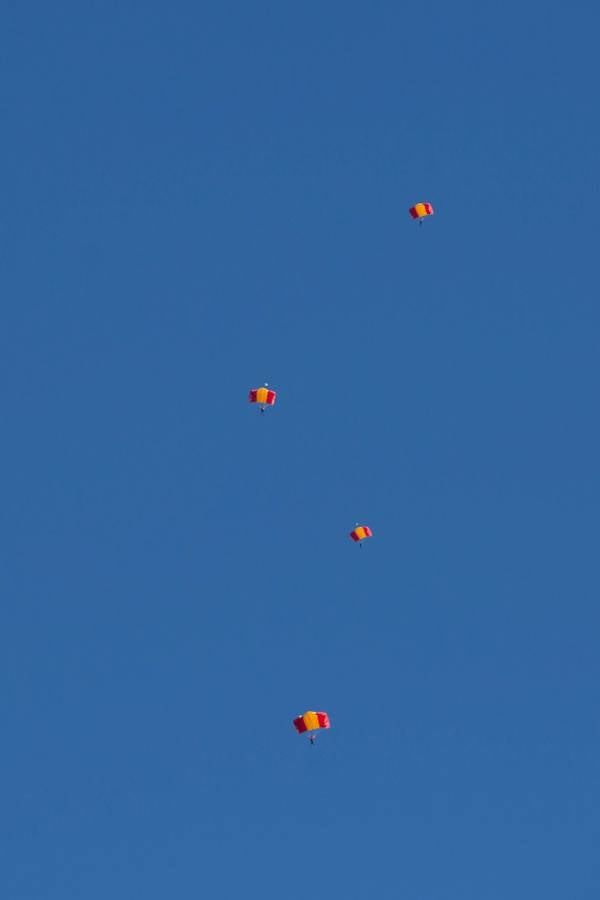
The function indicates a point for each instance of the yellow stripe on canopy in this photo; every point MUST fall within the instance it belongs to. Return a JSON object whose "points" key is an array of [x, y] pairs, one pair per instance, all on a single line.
{"points": [[261, 395], [311, 720]]}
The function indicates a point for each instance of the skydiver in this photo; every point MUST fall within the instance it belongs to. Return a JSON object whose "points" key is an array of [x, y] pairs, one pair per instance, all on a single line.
{"points": [[312, 738]]}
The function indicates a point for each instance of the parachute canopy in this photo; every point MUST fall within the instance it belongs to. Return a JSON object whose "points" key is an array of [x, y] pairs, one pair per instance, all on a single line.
{"points": [[310, 721], [262, 395], [420, 210], [361, 532]]}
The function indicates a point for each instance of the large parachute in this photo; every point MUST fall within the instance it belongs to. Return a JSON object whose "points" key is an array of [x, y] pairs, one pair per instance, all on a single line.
{"points": [[421, 210], [311, 721], [360, 533], [263, 396]]}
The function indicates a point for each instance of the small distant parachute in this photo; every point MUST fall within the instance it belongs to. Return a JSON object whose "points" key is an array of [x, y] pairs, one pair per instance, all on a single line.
{"points": [[311, 721], [360, 533], [421, 210], [263, 396]]}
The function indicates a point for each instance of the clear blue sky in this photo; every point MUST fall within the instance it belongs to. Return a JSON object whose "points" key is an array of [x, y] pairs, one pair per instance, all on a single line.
{"points": [[197, 199]]}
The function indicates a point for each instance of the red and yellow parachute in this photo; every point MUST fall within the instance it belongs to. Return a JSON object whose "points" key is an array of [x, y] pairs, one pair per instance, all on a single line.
{"points": [[421, 210], [310, 721], [262, 396], [361, 532]]}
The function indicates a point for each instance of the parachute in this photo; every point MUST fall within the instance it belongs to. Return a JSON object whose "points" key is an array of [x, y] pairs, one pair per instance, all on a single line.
{"points": [[361, 532], [263, 396], [420, 210], [310, 721]]}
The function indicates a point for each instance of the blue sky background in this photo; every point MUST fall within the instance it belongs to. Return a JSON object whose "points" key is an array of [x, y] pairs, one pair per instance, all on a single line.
{"points": [[196, 199]]}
